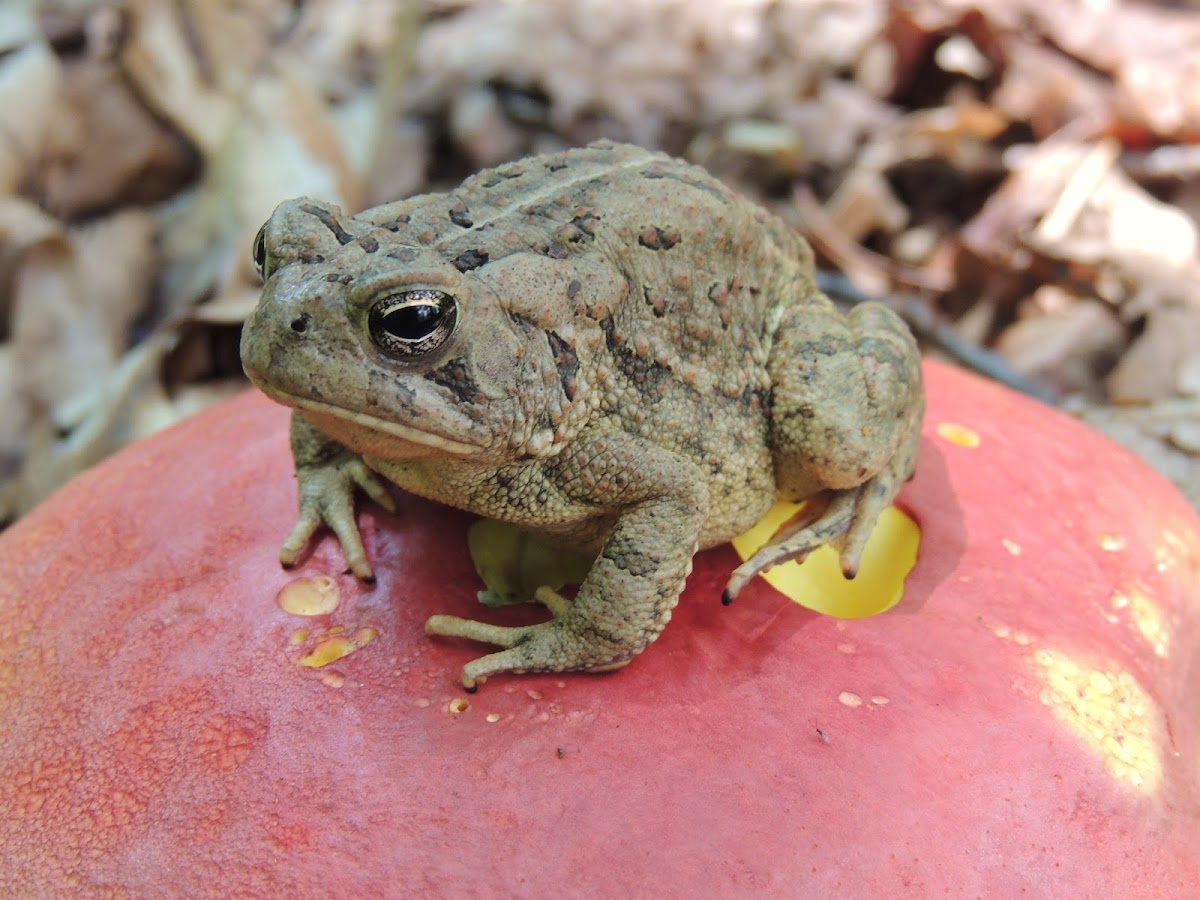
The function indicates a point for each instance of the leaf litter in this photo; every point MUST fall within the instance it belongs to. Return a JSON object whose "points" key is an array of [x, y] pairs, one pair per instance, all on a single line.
{"points": [[1021, 178]]}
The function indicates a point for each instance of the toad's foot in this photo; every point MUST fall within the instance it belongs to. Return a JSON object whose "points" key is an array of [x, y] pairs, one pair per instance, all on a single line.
{"points": [[546, 647], [328, 475], [842, 519]]}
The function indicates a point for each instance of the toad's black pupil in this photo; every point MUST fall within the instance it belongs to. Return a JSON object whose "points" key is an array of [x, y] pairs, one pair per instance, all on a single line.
{"points": [[412, 323]]}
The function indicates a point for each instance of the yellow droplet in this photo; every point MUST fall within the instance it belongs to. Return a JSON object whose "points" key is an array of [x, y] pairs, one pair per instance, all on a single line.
{"points": [[333, 679], [328, 651], [1109, 711], [493, 717], [848, 699], [298, 636], [957, 434], [1112, 543], [316, 596], [459, 705], [818, 583], [1011, 546], [334, 648]]}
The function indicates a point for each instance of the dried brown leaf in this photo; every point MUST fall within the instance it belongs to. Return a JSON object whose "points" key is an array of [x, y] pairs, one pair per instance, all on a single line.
{"points": [[1150, 51], [104, 147], [1152, 367], [1049, 90], [1066, 344], [863, 203], [29, 81]]}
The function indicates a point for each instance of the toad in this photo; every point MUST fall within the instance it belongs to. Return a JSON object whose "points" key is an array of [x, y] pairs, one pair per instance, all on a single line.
{"points": [[605, 347]]}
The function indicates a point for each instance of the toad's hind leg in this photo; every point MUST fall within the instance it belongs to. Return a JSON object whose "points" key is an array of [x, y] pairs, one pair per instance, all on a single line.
{"points": [[846, 420], [526, 647], [842, 519], [628, 594]]}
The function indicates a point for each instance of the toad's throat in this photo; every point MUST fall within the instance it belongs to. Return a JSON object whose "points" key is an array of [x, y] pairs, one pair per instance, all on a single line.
{"points": [[371, 423]]}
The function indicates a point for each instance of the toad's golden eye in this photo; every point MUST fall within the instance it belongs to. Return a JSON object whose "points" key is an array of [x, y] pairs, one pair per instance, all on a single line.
{"points": [[412, 323], [260, 253]]}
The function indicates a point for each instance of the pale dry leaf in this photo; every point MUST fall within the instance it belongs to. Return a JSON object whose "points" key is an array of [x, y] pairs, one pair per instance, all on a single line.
{"points": [[91, 428], [865, 271], [834, 125], [76, 295], [1072, 202], [870, 272], [1036, 177], [230, 307], [104, 147], [23, 224], [120, 260], [1152, 53], [29, 81], [479, 123], [633, 72], [1150, 369], [1188, 383], [1048, 90], [233, 39], [1066, 345], [285, 144], [63, 346], [18, 24], [158, 57], [864, 203]]}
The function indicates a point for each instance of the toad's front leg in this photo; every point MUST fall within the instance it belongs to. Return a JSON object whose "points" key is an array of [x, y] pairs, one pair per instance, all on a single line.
{"points": [[328, 476], [628, 595]]}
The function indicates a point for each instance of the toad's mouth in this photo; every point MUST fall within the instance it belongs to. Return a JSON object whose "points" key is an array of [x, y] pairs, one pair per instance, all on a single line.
{"points": [[371, 423]]}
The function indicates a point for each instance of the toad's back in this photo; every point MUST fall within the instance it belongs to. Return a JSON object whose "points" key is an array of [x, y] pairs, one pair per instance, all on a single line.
{"points": [[679, 279]]}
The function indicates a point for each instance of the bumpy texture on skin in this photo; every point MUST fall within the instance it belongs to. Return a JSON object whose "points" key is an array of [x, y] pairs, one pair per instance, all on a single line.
{"points": [[612, 350]]}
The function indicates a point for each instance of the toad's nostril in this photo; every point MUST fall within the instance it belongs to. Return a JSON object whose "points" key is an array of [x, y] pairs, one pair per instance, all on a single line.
{"points": [[300, 323]]}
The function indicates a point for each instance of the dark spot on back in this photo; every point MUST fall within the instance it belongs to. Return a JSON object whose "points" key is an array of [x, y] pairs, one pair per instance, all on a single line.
{"points": [[654, 238], [394, 226], [649, 375], [556, 251], [565, 361], [368, 244], [586, 225], [461, 216], [573, 289], [329, 220], [521, 324], [654, 301], [469, 260], [404, 254]]}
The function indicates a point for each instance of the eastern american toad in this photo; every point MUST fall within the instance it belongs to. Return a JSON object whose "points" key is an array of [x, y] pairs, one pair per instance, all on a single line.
{"points": [[606, 347]]}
